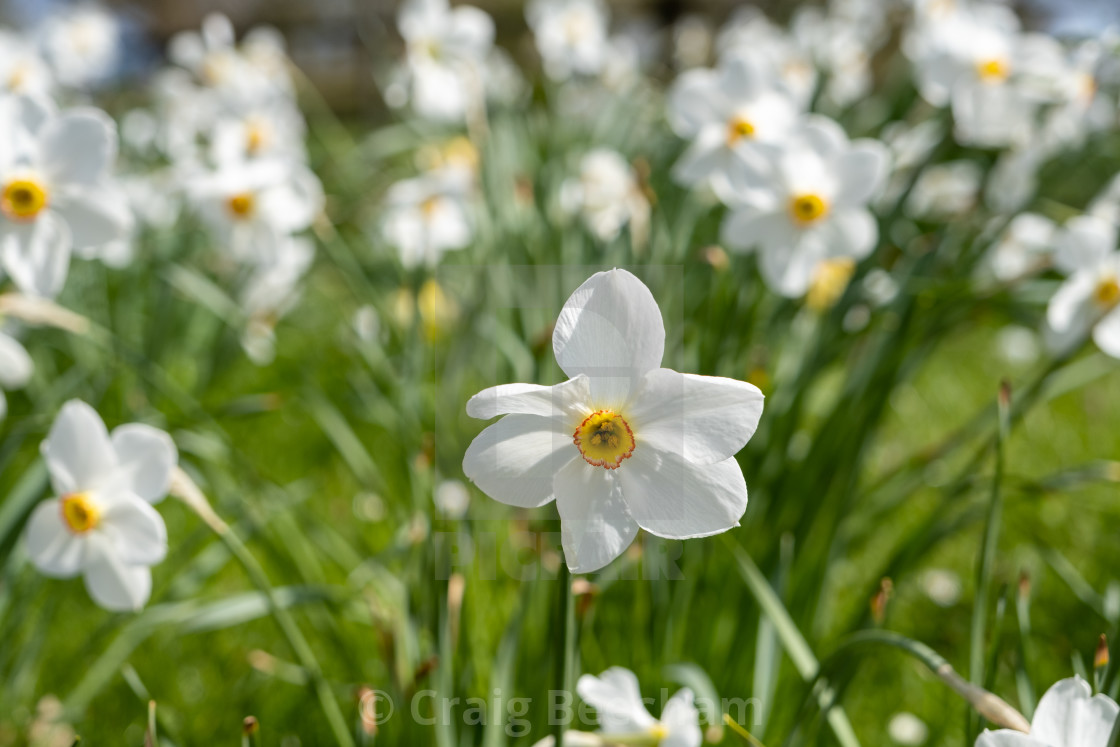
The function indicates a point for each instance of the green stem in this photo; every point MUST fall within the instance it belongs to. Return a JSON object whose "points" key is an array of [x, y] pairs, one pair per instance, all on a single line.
{"points": [[566, 655]]}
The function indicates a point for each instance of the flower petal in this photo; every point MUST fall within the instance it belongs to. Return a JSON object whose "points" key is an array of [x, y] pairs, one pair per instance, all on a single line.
{"points": [[863, 171], [53, 549], [595, 524], [134, 530], [681, 720], [671, 497], [37, 255], [515, 460], [1008, 738], [1069, 715], [611, 330], [1083, 242], [706, 419], [79, 146], [854, 233], [15, 364], [563, 400], [77, 450], [1107, 334], [94, 218], [617, 699], [146, 456], [115, 585]]}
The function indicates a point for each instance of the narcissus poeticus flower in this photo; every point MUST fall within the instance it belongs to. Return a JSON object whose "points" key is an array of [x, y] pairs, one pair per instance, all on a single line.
{"points": [[623, 443], [617, 699], [1069, 715], [101, 523]]}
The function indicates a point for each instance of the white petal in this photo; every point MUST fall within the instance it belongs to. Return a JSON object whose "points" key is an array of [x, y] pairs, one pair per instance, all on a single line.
{"points": [[115, 585], [15, 364], [472, 32], [145, 456], [37, 256], [692, 100], [515, 460], [94, 217], [1083, 242], [674, 498], [1070, 312], [863, 171], [1107, 334], [134, 530], [611, 330], [564, 400], [77, 450], [824, 136], [52, 547], [79, 147], [855, 233], [595, 524], [706, 419], [617, 699], [1008, 738], [788, 267], [682, 720], [1068, 716]]}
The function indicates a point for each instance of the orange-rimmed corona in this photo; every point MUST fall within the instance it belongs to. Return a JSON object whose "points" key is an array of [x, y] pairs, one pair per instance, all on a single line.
{"points": [[604, 439], [23, 199], [80, 512]]}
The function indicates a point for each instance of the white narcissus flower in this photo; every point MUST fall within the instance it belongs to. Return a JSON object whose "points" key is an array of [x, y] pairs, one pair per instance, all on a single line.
{"points": [[1069, 715], [732, 107], [22, 69], [1024, 247], [425, 217], [83, 44], [623, 443], [16, 367], [101, 523], [1089, 299], [571, 36], [55, 190], [447, 52], [607, 195], [254, 205], [617, 699], [805, 203]]}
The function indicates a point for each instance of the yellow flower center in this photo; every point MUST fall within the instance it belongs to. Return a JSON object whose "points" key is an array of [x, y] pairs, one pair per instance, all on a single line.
{"points": [[241, 205], [79, 512], [18, 76], [658, 731], [1107, 293], [430, 207], [739, 128], [604, 439], [23, 199], [808, 208], [993, 70], [256, 138]]}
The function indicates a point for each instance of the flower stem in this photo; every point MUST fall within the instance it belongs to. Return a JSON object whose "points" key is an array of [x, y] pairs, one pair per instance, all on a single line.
{"points": [[567, 652]]}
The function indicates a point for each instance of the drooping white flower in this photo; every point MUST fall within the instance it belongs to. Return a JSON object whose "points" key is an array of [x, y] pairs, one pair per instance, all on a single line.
{"points": [[1069, 715], [447, 49], [805, 203], [735, 106], [623, 443], [946, 189], [55, 190], [82, 44], [571, 35], [16, 367], [617, 699], [1089, 300], [101, 523], [607, 195], [1024, 246], [425, 217], [254, 205]]}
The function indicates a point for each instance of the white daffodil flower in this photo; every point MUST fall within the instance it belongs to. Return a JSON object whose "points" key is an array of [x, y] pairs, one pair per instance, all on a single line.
{"points": [[623, 443], [571, 36], [1023, 247], [805, 203], [240, 77], [1069, 715], [945, 190], [82, 44], [750, 33], [447, 50], [254, 205], [732, 107], [101, 523], [424, 218], [16, 367], [1089, 299], [22, 68], [617, 700], [55, 190], [607, 195], [273, 129]]}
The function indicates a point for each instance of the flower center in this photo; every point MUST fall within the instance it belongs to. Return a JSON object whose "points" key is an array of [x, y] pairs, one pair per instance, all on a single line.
{"points": [[430, 207], [23, 199], [256, 138], [993, 70], [808, 208], [604, 439], [1107, 292], [79, 512], [739, 128], [241, 205], [658, 731]]}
